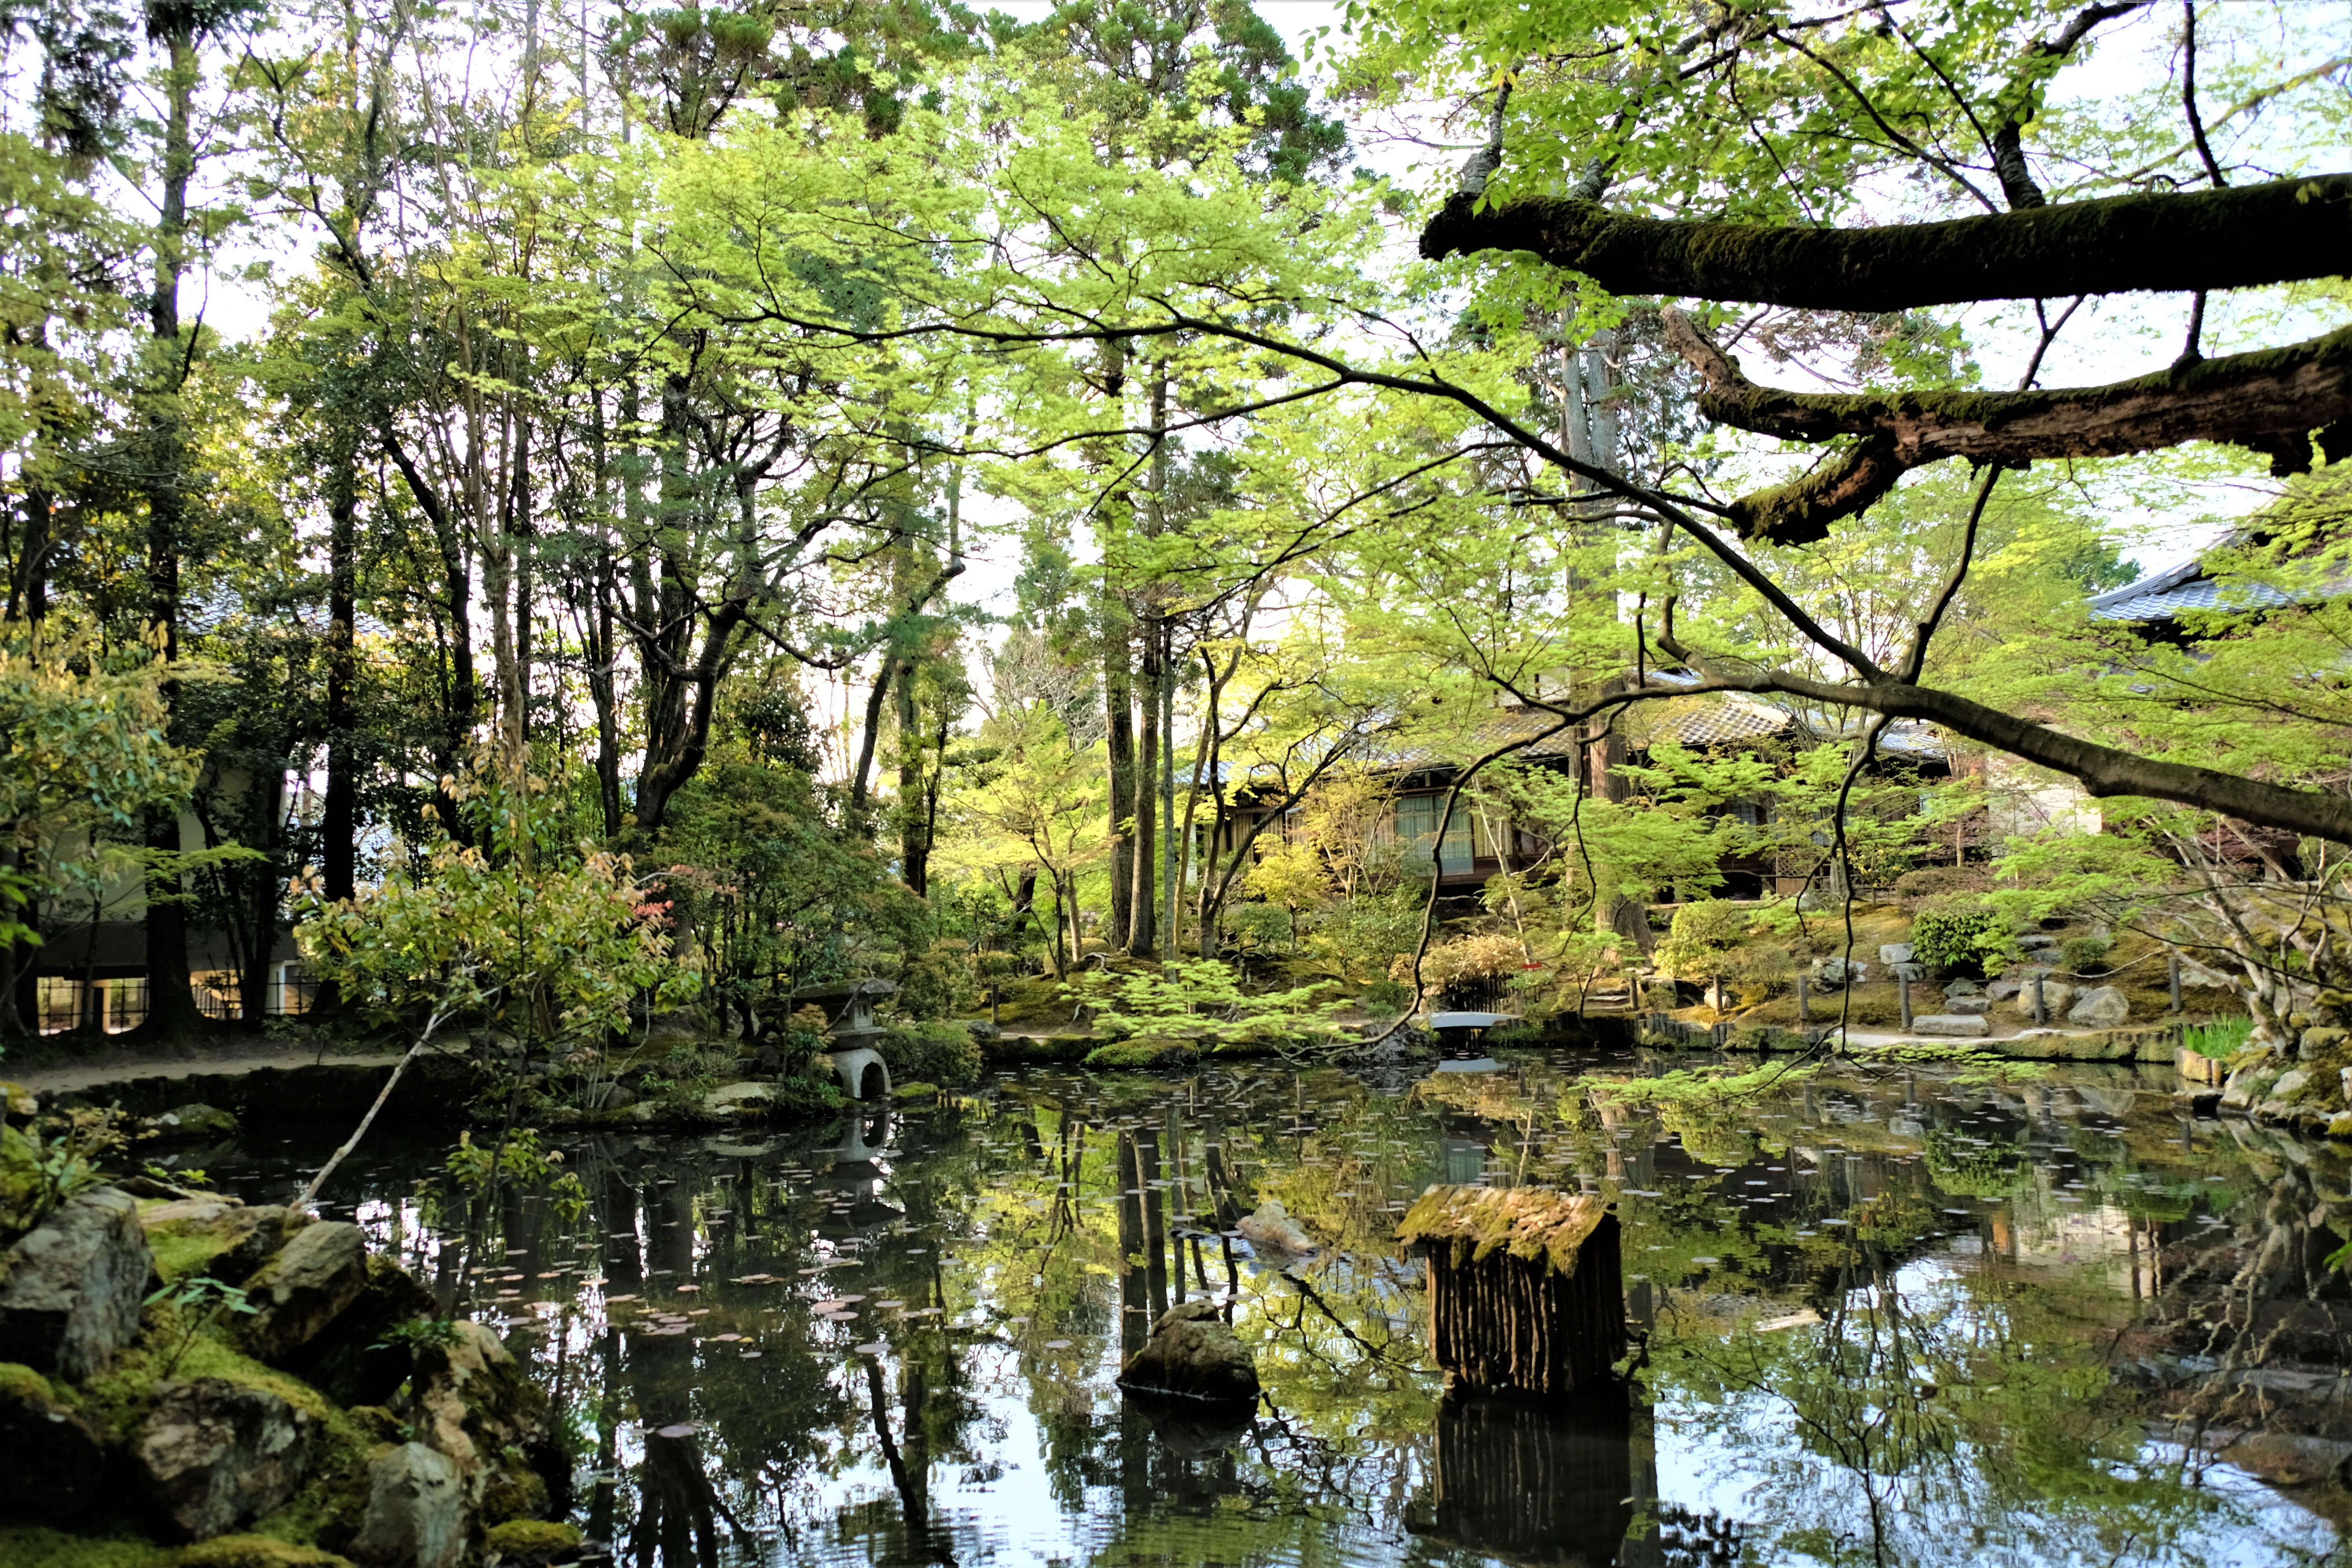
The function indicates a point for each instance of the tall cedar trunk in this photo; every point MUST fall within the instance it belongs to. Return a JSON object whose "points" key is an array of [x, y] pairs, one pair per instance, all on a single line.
{"points": [[28, 599], [171, 1005], [1119, 719], [1172, 832], [252, 985], [1143, 903], [1604, 761], [914, 847], [601, 664], [339, 823], [28, 589]]}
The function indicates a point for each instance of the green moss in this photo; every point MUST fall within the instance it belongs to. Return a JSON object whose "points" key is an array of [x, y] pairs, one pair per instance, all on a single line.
{"points": [[25, 1546], [181, 1254], [530, 1539], [917, 1091], [254, 1552], [20, 1384], [515, 1492], [1148, 1051]]}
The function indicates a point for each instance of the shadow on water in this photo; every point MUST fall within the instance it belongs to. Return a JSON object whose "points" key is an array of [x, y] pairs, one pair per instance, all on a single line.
{"points": [[1893, 1318]]}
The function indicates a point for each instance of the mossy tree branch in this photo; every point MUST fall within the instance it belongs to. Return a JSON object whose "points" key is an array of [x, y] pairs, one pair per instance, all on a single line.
{"points": [[2270, 401], [2240, 237]]}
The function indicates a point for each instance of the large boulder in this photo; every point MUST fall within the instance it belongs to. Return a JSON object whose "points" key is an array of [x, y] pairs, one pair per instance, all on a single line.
{"points": [[471, 1402], [417, 1510], [741, 1100], [57, 1467], [1270, 1229], [254, 1551], [2055, 995], [193, 1122], [1192, 1354], [352, 1360], [218, 1237], [1967, 1003], [319, 1271], [213, 1455], [2102, 1008], [1954, 1026], [71, 1289]]}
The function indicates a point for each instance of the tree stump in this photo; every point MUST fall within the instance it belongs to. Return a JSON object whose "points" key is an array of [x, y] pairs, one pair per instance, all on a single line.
{"points": [[1526, 1288]]}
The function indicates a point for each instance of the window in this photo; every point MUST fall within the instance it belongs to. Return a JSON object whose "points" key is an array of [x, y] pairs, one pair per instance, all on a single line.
{"points": [[1416, 825]]}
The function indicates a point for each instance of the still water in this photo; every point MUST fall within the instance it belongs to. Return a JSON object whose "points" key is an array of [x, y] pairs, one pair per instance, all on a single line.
{"points": [[1893, 1318]]}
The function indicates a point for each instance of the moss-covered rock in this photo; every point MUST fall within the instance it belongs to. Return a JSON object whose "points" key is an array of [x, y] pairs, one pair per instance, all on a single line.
{"points": [[254, 1552], [917, 1091], [1145, 1051], [36, 1546], [528, 1542]]}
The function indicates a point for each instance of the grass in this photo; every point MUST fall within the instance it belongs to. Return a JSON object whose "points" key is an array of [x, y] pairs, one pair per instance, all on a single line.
{"points": [[34, 1546]]}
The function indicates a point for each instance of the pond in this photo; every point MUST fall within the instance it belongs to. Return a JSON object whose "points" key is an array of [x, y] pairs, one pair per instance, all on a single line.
{"points": [[1894, 1317]]}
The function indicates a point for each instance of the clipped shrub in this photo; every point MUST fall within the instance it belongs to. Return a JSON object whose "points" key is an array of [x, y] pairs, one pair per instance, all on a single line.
{"points": [[2084, 954], [1955, 938], [931, 1051], [937, 981], [1387, 995]]}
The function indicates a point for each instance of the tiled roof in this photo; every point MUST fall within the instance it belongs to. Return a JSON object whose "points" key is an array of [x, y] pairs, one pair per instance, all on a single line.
{"points": [[2184, 587]]}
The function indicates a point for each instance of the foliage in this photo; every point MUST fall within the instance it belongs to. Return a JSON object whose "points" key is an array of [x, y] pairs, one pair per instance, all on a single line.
{"points": [[1955, 938], [554, 945], [2221, 1039], [794, 1095], [50, 1159], [518, 1156], [2085, 955], [939, 1051], [420, 1333], [199, 1302], [1203, 999]]}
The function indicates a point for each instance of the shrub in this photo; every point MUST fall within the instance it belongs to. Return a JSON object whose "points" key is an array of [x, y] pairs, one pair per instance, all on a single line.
{"points": [[937, 983], [806, 1097], [1387, 995], [2084, 954], [2222, 1038], [1933, 886], [936, 1051], [1958, 938]]}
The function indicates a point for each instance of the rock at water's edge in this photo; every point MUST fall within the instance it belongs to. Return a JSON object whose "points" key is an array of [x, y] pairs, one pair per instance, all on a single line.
{"points": [[1271, 1227], [73, 1287], [2055, 995], [1192, 1354], [215, 1454], [1956, 1025], [416, 1510], [2102, 1008], [317, 1274]]}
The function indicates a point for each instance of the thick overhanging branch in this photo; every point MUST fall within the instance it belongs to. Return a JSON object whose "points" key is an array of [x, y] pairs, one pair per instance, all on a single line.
{"points": [[2102, 770], [2270, 401], [2240, 238]]}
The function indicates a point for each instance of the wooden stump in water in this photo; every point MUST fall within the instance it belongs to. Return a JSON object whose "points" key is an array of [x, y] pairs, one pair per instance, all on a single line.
{"points": [[1526, 1289]]}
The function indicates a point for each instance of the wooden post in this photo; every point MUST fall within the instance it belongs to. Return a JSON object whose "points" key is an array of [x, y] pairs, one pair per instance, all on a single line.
{"points": [[1903, 991], [2041, 1008], [1804, 1001], [2172, 978], [1526, 1286]]}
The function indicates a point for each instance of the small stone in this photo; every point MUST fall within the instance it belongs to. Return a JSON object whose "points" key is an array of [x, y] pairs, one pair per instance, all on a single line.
{"points": [[1958, 1025], [2102, 1008], [193, 1122], [1962, 987], [1192, 1354], [70, 1291], [305, 1287], [1894, 953], [1968, 1005], [416, 1510], [215, 1454], [2290, 1084], [2035, 942]]}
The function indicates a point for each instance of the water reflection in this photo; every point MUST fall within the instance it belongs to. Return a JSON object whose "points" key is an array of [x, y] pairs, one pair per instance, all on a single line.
{"points": [[1894, 1319]]}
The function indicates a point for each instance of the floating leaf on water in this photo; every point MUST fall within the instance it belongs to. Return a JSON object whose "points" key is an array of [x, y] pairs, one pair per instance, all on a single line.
{"points": [[676, 1429], [875, 1348], [1057, 1344]]}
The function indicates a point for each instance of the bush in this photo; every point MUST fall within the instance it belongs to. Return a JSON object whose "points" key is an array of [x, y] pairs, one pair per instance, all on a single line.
{"points": [[937, 983], [1387, 995], [933, 1052], [806, 1097], [1931, 887], [1955, 938], [2084, 954]]}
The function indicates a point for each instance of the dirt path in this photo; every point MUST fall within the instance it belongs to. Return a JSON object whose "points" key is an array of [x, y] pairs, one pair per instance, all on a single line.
{"points": [[115, 1066]]}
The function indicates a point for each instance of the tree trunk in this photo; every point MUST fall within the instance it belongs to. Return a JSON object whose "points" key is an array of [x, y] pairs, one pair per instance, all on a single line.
{"points": [[339, 823], [1119, 719], [1143, 903]]}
